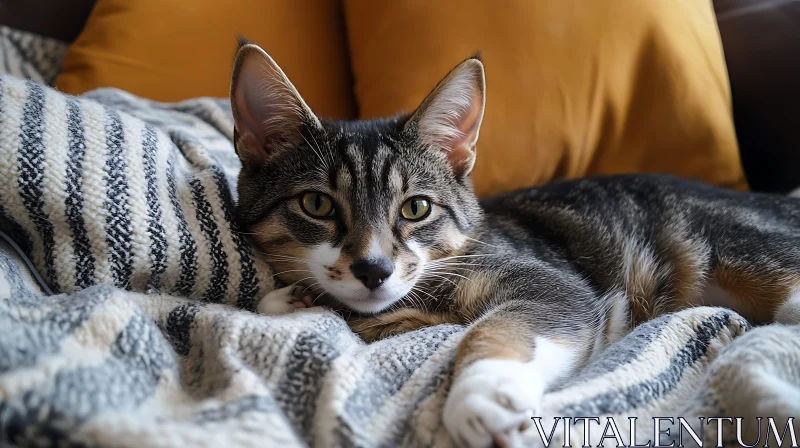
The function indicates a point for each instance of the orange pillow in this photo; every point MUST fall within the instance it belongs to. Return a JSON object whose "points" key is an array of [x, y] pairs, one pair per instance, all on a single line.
{"points": [[169, 50], [574, 87]]}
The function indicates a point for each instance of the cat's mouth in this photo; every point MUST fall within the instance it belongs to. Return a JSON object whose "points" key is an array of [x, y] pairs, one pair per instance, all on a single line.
{"points": [[369, 284], [354, 295]]}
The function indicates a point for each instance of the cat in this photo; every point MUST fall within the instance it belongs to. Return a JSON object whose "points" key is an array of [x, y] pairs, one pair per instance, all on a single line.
{"points": [[379, 217]]}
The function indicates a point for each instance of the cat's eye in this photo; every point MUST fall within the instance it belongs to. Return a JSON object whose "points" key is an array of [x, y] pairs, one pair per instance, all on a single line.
{"points": [[317, 205], [416, 209]]}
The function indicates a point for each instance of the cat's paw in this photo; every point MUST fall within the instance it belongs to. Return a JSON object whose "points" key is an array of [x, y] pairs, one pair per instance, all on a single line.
{"points": [[284, 300], [492, 401]]}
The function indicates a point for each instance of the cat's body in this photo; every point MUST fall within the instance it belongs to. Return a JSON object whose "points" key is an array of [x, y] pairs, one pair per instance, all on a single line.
{"points": [[380, 217], [617, 250]]}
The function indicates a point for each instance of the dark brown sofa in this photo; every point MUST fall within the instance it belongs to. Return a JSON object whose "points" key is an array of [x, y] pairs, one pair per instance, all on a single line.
{"points": [[761, 40]]}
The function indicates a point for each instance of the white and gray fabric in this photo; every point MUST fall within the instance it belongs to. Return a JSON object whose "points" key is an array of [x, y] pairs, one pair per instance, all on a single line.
{"points": [[124, 206], [107, 367], [114, 190], [30, 56]]}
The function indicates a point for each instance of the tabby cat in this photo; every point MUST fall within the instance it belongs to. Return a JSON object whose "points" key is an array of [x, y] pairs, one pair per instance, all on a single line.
{"points": [[379, 217]]}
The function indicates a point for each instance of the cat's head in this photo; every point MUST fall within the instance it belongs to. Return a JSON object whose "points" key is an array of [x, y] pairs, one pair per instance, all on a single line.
{"points": [[359, 210]]}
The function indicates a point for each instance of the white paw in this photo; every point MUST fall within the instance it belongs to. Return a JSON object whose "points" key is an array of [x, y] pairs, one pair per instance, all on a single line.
{"points": [[789, 312], [283, 300], [492, 401]]}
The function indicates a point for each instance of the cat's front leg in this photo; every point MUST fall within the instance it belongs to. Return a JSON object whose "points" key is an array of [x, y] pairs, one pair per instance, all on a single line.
{"points": [[503, 367], [284, 300], [380, 326]]}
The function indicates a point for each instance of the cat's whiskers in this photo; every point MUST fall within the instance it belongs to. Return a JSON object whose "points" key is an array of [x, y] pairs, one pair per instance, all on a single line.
{"points": [[459, 257], [453, 263], [420, 300], [439, 276], [311, 287], [241, 232], [435, 299], [451, 266], [440, 272], [413, 298], [438, 287], [453, 269], [482, 242], [304, 278], [327, 167], [313, 301], [464, 256], [324, 168], [291, 270], [278, 258], [456, 269]]}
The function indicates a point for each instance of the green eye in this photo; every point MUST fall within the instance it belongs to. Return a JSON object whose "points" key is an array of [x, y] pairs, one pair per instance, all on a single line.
{"points": [[317, 205], [416, 209]]}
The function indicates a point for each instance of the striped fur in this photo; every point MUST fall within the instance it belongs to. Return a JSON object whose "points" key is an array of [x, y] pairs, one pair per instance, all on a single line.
{"points": [[368, 170], [567, 247], [568, 267]]}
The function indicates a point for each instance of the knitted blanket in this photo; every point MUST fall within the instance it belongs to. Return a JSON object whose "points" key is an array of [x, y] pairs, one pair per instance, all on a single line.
{"points": [[149, 339]]}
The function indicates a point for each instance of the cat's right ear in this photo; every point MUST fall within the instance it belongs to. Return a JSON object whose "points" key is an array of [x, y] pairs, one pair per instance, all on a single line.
{"points": [[268, 113]]}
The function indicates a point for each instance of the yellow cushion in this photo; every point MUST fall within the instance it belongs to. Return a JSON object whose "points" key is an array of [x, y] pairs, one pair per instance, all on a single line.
{"points": [[574, 87], [169, 50]]}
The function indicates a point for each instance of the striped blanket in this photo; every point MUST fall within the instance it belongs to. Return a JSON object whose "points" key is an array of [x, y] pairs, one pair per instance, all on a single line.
{"points": [[141, 330]]}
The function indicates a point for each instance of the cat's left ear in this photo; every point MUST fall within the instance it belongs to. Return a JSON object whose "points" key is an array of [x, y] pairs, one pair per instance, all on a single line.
{"points": [[449, 118]]}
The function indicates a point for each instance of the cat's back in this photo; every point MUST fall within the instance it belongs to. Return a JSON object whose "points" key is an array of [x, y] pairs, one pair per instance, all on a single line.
{"points": [[606, 210], [633, 194]]}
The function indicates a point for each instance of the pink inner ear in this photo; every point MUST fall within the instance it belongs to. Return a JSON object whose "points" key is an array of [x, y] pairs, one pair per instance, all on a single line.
{"points": [[268, 110], [252, 106], [461, 147], [468, 121], [270, 115]]}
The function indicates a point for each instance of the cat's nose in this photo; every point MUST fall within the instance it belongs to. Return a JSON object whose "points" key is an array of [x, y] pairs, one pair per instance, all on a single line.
{"points": [[372, 272]]}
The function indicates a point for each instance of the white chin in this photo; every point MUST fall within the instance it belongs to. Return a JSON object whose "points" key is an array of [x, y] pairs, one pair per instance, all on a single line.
{"points": [[363, 300], [354, 295], [369, 305]]}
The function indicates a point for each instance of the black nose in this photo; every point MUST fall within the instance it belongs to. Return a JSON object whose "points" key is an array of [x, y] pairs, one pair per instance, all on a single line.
{"points": [[372, 272]]}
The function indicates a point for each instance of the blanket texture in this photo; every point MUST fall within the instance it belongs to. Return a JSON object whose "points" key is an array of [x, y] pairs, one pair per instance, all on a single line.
{"points": [[30, 56], [124, 206], [98, 196]]}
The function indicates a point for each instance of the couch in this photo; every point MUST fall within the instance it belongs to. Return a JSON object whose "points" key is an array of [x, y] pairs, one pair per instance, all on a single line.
{"points": [[762, 71]]}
